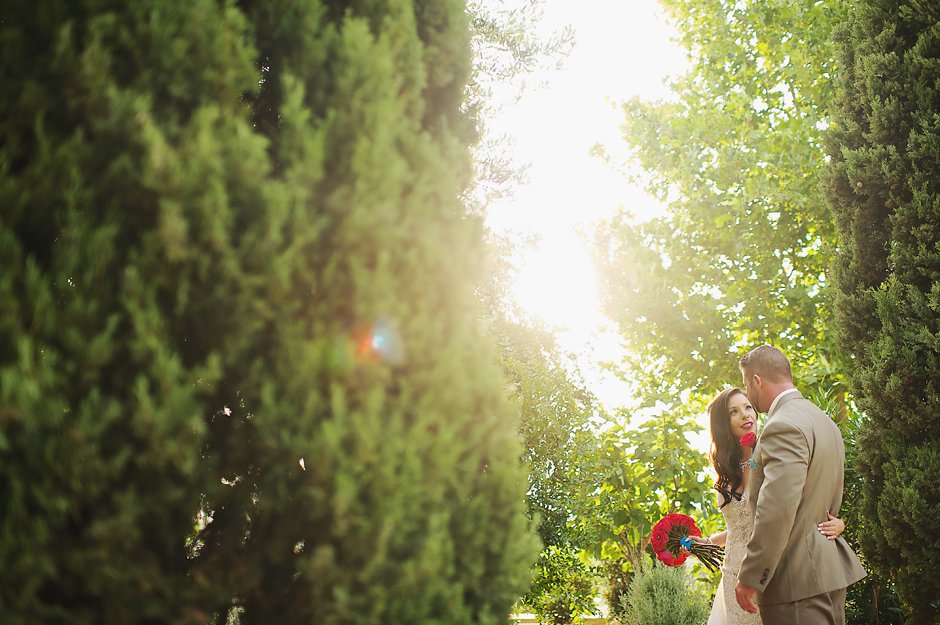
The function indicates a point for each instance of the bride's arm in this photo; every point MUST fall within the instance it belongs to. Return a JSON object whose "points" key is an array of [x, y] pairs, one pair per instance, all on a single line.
{"points": [[715, 539]]}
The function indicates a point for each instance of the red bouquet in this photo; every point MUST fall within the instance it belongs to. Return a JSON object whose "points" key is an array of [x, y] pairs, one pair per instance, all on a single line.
{"points": [[672, 532]]}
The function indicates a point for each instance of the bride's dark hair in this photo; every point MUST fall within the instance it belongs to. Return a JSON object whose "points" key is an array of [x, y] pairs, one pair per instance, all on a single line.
{"points": [[726, 455]]}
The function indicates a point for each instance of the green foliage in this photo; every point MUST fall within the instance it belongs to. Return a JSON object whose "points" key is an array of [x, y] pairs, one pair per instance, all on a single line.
{"points": [[508, 51], [663, 595], [637, 475], [563, 587], [873, 600], [885, 194], [240, 366], [875, 597], [735, 154], [742, 254], [552, 403], [554, 411]]}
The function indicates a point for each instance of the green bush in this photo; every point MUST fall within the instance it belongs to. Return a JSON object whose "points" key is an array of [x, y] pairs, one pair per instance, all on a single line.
{"points": [[885, 198], [563, 587], [240, 368], [663, 595]]}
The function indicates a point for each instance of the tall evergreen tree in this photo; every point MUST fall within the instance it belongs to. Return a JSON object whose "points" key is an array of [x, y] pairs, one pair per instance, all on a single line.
{"points": [[884, 190], [240, 370]]}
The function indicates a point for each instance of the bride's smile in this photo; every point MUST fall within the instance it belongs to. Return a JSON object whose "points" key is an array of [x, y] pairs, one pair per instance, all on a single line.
{"points": [[742, 417]]}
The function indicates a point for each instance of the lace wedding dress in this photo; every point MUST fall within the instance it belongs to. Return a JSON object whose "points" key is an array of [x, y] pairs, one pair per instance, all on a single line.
{"points": [[726, 610]]}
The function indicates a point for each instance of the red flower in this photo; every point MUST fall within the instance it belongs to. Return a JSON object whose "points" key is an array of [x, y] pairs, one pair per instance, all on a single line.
{"points": [[689, 523], [668, 559], [748, 440], [665, 538], [658, 539]]}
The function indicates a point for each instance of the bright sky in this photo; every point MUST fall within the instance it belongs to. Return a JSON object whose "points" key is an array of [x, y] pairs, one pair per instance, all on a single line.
{"points": [[623, 48]]}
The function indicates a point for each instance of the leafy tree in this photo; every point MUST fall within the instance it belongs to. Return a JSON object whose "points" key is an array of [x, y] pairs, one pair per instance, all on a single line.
{"points": [[563, 587], [241, 376], [552, 404], [554, 411], [739, 257], [885, 195], [637, 475], [508, 51], [742, 254]]}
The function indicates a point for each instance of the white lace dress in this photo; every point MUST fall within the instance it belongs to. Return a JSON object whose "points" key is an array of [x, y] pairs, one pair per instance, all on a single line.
{"points": [[726, 610]]}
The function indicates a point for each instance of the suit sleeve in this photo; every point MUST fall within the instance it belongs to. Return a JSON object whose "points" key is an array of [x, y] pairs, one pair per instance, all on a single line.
{"points": [[785, 457]]}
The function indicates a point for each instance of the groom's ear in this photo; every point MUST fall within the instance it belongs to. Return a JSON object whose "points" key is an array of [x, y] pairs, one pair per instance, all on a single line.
{"points": [[757, 384]]}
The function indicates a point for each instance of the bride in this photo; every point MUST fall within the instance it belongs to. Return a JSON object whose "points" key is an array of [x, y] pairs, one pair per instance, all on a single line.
{"points": [[731, 416]]}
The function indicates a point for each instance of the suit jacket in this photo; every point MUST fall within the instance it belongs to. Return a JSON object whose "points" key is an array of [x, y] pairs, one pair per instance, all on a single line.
{"points": [[800, 460]]}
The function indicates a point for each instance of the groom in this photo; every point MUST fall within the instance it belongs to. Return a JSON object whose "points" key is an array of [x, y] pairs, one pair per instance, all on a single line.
{"points": [[790, 569]]}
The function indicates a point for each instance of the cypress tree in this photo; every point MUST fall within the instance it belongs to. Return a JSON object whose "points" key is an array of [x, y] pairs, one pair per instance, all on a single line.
{"points": [[884, 191], [241, 377]]}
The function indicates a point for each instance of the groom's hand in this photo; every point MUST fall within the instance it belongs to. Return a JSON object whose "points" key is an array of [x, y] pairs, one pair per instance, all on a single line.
{"points": [[745, 595]]}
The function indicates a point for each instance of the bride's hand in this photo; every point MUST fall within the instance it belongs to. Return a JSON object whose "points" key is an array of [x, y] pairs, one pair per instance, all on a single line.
{"points": [[832, 527], [698, 539]]}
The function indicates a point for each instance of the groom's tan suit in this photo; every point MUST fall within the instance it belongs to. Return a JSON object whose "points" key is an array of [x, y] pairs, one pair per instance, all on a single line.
{"points": [[799, 477]]}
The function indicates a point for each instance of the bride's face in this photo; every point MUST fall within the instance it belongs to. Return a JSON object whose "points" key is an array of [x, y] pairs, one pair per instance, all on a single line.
{"points": [[742, 418]]}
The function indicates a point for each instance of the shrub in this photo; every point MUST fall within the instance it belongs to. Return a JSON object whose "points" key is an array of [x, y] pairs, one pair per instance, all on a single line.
{"points": [[663, 595], [563, 588]]}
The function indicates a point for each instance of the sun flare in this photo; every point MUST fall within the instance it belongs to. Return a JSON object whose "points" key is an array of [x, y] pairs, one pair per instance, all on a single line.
{"points": [[622, 50]]}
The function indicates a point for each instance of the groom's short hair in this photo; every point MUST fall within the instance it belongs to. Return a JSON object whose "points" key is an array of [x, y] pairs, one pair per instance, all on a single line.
{"points": [[768, 362]]}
